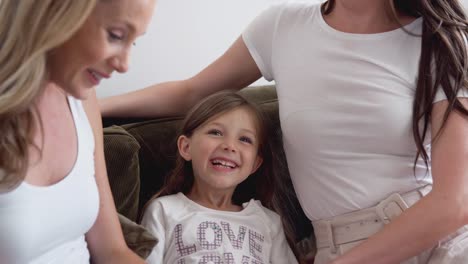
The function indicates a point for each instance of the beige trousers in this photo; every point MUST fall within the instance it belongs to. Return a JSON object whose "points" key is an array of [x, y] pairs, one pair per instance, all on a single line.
{"points": [[339, 234], [452, 250]]}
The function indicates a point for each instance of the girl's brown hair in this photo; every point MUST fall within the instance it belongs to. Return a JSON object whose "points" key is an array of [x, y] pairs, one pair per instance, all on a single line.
{"points": [[265, 185], [443, 62]]}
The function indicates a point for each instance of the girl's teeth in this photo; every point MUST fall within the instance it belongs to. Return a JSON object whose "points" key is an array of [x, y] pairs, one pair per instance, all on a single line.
{"points": [[224, 163]]}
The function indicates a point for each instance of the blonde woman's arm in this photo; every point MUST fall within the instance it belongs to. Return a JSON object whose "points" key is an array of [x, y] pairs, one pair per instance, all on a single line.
{"points": [[235, 69], [105, 239]]}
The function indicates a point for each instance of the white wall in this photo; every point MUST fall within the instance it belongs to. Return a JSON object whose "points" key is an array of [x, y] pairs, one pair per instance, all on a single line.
{"points": [[184, 36]]}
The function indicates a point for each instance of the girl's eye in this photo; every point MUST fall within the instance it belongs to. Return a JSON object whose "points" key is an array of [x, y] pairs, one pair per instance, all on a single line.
{"points": [[215, 132], [246, 140]]}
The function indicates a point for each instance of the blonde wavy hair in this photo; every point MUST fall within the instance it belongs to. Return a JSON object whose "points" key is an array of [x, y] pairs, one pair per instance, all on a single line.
{"points": [[29, 29]]}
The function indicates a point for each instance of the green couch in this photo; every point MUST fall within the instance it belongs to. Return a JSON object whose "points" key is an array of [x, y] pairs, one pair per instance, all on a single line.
{"points": [[141, 152]]}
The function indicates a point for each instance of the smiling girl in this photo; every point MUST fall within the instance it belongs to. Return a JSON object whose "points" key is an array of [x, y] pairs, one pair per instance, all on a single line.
{"points": [[204, 217]]}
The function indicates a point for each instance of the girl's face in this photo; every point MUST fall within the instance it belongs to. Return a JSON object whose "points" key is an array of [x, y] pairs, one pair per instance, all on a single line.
{"points": [[100, 47], [223, 151]]}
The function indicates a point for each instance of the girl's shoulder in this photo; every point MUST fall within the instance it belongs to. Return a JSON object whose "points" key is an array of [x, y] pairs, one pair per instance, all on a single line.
{"points": [[173, 201], [268, 215]]}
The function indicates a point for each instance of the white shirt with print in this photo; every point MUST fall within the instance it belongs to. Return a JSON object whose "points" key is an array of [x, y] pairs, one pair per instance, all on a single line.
{"points": [[190, 233]]}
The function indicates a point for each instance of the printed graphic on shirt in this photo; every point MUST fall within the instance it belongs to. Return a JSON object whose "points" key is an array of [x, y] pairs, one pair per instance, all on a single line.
{"points": [[211, 242]]}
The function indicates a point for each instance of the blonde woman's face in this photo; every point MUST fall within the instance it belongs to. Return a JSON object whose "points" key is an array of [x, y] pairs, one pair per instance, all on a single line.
{"points": [[101, 46]]}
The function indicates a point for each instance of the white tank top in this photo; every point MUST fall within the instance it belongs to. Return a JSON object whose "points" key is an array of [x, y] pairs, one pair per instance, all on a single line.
{"points": [[47, 224]]}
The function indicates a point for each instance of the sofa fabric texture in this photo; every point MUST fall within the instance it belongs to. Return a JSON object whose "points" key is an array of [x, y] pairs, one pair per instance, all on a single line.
{"points": [[121, 153]]}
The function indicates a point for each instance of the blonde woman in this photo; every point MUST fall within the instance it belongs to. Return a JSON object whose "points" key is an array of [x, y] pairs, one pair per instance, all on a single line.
{"points": [[55, 201]]}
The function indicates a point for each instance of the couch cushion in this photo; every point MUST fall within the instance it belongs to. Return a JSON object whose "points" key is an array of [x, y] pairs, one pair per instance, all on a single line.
{"points": [[137, 237], [121, 153], [157, 155], [260, 94]]}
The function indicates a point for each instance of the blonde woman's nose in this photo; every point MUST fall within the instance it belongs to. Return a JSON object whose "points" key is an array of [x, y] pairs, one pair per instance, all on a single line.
{"points": [[120, 62]]}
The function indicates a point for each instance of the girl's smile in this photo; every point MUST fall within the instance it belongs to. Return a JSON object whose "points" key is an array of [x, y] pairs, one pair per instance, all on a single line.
{"points": [[223, 151]]}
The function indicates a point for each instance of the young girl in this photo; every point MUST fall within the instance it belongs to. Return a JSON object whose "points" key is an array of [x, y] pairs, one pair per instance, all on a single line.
{"points": [[206, 215]]}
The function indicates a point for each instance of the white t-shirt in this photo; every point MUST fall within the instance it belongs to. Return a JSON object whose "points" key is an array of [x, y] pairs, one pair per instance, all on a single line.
{"points": [[345, 105], [190, 233], [46, 225]]}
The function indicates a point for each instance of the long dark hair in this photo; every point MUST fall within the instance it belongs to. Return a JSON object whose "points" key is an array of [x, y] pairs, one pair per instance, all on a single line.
{"points": [[443, 62], [265, 185]]}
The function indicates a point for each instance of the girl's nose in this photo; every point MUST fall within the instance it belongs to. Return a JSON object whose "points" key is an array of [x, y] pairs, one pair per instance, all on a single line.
{"points": [[229, 146]]}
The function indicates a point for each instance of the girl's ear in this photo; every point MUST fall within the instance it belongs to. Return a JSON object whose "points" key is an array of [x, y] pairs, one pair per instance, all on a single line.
{"points": [[183, 144], [258, 162]]}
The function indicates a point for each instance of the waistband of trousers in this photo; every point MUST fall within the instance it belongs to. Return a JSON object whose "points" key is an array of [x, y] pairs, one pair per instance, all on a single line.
{"points": [[361, 224]]}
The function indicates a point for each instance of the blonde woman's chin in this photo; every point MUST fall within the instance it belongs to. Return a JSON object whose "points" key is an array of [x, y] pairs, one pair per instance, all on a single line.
{"points": [[80, 93]]}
